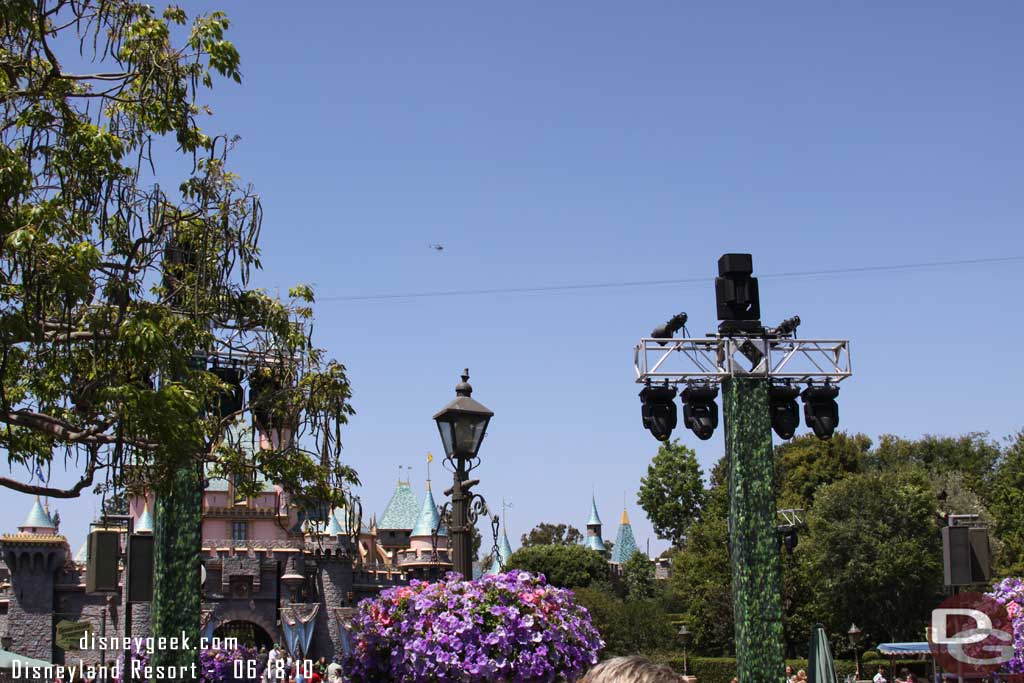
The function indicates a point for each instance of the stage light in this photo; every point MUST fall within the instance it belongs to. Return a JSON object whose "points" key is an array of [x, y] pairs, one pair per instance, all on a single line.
{"points": [[700, 412], [659, 410], [821, 412], [666, 331], [783, 409], [788, 326]]}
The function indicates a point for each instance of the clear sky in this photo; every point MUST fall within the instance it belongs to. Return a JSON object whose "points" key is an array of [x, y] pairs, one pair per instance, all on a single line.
{"points": [[595, 142]]}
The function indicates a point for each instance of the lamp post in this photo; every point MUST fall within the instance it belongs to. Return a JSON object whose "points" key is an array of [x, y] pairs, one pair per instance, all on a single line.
{"points": [[462, 424], [855, 635], [685, 637]]}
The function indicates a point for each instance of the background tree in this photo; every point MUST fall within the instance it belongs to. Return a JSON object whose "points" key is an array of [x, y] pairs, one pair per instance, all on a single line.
{"points": [[1006, 497], [974, 455], [552, 534], [638, 577], [627, 627], [874, 553], [566, 566], [115, 291], [672, 493], [806, 463], [701, 579]]}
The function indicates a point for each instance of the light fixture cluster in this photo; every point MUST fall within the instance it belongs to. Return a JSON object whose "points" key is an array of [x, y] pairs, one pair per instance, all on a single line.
{"points": [[700, 411]]}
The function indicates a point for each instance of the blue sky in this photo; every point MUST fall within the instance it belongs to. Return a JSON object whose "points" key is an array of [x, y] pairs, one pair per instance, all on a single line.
{"points": [[566, 143]]}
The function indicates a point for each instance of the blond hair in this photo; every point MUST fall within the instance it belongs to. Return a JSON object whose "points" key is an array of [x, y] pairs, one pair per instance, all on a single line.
{"points": [[633, 669]]}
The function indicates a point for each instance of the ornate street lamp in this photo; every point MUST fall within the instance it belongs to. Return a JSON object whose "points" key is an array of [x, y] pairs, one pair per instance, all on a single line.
{"points": [[855, 635], [685, 638], [462, 424]]}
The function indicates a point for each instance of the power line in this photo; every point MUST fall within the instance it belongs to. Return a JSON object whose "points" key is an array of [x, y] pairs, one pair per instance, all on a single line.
{"points": [[658, 283]]}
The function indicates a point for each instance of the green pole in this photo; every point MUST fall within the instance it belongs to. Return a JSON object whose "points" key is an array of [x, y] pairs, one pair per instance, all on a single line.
{"points": [[176, 559], [754, 546]]}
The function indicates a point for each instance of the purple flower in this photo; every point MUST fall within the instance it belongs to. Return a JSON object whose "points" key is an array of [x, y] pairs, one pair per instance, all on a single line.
{"points": [[510, 626]]}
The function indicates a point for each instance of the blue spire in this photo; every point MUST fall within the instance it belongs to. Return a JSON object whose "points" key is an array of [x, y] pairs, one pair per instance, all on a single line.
{"points": [[37, 518], [595, 519], [82, 556], [333, 527], [402, 510], [428, 519], [625, 543], [144, 524]]}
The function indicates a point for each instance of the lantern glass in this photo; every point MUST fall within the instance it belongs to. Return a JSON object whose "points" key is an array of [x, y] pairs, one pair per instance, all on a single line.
{"points": [[462, 433]]}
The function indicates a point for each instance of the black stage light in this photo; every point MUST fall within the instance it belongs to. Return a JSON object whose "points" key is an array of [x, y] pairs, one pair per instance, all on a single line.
{"points": [[784, 411], [821, 412], [700, 412], [788, 326], [666, 331], [736, 295], [789, 540], [659, 410]]}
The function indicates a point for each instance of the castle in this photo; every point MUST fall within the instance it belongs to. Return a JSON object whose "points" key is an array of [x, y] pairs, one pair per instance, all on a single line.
{"points": [[272, 573]]}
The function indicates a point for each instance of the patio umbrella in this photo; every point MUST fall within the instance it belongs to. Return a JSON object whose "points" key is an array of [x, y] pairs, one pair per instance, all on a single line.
{"points": [[820, 667]]}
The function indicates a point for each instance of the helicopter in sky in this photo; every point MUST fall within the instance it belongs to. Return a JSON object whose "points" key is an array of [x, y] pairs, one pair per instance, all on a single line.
{"points": [[436, 247]]}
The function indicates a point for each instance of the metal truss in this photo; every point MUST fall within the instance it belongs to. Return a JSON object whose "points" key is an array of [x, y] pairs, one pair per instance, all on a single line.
{"points": [[712, 359]]}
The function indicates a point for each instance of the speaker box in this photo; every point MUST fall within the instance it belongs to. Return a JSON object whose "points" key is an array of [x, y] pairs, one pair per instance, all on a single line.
{"points": [[981, 556], [140, 568], [966, 556], [101, 567]]}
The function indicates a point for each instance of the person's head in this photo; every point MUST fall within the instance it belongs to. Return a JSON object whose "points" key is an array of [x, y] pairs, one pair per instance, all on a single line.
{"points": [[802, 675], [735, 679], [634, 669], [904, 672], [881, 669], [789, 670]]}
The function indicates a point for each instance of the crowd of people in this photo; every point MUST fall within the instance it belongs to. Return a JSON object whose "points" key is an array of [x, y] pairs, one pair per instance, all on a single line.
{"points": [[279, 666]]}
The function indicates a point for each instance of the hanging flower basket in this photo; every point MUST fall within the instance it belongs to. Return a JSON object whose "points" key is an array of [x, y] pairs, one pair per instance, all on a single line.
{"points": [[505, 627]]}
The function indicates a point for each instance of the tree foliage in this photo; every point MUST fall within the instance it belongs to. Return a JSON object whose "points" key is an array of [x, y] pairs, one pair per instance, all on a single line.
{"points": [[565, 566], [806, 463], [875, 554], [672, 493], [627, 627], [1007, 506], [552, 534], [115, 288], [638, 577]]}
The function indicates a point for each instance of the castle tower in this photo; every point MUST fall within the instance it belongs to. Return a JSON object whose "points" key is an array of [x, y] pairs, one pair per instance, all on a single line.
{"points": [[33, 556], [594, 539], [625, 543], [398, 520], [419, 559]]}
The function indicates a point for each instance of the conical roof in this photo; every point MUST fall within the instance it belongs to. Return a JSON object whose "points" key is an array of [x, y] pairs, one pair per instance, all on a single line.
{"points": [[595, 543], [402, 510], [428, 519], [595, 519], [82, 556], [37, 517], [505, 548], [144, 524], [334, 528], [625, 543]]}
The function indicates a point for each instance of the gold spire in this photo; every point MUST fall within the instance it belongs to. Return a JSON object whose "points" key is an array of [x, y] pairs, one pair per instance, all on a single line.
{"points": [[625, 517]]}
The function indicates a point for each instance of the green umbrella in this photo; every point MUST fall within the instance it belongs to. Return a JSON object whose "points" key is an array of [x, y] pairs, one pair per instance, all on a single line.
{"points": [[820, 666]]}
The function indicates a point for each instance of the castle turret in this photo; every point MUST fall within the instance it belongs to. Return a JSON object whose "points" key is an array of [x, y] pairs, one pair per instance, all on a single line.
{"points": [[144, 524], [625, 543], [33, 557], [594, 539], [500, 562], [38, 522]]}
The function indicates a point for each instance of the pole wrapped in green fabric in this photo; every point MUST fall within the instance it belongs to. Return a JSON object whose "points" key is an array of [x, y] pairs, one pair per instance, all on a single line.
{"points": [[754, 546], [176, 560]]}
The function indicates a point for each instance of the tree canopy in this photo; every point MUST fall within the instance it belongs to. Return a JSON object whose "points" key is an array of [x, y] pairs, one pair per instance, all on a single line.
{"points": [[566, 566], [672, 492], [126, 304], [552, 534]]}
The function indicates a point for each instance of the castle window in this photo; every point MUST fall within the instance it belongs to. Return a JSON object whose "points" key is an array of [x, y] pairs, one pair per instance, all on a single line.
{"points": [[240, 531]]}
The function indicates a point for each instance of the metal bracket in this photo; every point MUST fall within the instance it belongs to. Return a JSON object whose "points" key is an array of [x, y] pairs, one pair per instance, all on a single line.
{"points": [[713, 359]]}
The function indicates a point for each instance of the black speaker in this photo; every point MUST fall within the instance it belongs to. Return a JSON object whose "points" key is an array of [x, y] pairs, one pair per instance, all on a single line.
{"points": [[140, 568], [101, 567], [981, 556], [966, 556]]}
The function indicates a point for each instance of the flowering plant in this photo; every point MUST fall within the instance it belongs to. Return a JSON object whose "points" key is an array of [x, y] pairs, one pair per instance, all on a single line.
{"points": [[1010, 592], [505, 627]]}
